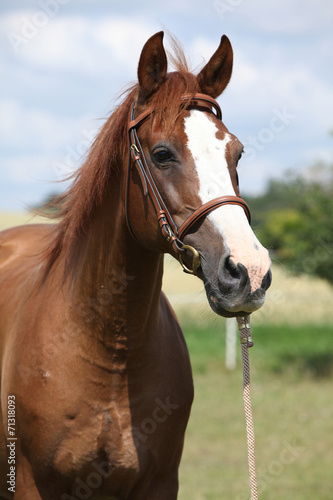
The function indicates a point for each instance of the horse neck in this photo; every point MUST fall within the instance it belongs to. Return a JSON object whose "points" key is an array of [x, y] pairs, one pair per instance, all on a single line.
{"points": [[119, 281]]}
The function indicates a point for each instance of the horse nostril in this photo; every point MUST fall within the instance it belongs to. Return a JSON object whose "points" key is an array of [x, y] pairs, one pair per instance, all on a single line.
{"points": [[235, 274], [267, 280], [232, 268], [244, 275]]}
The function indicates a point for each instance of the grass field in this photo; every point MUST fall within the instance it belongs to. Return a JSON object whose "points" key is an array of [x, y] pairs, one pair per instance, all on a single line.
{"points": [[292, 392], [292, 401]]}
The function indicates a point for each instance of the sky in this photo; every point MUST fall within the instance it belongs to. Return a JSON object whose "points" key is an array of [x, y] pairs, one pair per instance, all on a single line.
{"points": [[64, 64]]}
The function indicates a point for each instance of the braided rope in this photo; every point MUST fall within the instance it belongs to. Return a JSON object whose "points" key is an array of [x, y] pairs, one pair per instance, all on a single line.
{"points": [[244, 328]]}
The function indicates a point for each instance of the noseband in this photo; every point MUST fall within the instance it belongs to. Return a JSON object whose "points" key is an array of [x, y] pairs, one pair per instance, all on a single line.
{"points": [[170, 230]]}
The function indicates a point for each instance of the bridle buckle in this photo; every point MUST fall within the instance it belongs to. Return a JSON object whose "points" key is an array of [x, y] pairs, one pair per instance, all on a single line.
{"points": [[195, 260], [169, 232], [135, 148]]}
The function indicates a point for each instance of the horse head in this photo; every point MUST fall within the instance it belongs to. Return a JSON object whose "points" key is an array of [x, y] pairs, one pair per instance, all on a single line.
{"points": [[186, 158]]}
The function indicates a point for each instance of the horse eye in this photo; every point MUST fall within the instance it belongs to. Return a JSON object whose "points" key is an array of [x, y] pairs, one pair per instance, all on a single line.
{"points": [[162, 155], [240, 155]]}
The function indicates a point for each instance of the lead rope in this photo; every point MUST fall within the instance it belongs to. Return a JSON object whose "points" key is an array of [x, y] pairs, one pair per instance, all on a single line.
{"points": [[245, 334]]}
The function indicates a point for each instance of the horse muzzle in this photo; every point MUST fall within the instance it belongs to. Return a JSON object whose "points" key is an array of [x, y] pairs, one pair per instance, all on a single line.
{"points": [[230, 291]]}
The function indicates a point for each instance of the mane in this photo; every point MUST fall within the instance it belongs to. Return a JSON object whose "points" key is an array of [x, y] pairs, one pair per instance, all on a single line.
{"points": [[92, 181]]}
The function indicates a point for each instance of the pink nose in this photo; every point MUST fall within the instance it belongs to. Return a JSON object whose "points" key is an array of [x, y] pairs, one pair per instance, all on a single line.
{"points": [[237, 276]]}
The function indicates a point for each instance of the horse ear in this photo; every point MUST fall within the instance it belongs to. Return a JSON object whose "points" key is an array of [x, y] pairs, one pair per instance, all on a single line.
{"points": [[152, 66], [215, 76]]}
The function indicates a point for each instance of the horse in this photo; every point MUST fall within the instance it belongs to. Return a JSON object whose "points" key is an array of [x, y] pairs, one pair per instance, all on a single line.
{"points": [[96, 377]]}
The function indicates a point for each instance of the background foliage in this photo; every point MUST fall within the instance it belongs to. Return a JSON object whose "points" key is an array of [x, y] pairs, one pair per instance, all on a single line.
{"points": [[294, 219]]}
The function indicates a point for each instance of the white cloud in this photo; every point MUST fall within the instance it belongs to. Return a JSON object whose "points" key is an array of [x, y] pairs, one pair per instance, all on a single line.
{"points": [[253, 176], [75, 64], [276, 17], [261, 84], [201, 50], [27, 169], [25, 128], [78, 43], [124, 38]]}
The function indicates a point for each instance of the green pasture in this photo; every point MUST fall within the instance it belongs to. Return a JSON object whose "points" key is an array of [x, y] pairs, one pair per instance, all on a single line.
{"points": [[292, 391], [292, 398]]}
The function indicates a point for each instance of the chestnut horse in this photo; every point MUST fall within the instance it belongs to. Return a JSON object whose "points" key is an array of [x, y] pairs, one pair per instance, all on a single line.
{"points": [[96, 377]]}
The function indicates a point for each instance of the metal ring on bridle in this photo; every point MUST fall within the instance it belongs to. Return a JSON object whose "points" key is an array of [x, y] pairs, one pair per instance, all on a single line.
{"points": [[195, 260]]}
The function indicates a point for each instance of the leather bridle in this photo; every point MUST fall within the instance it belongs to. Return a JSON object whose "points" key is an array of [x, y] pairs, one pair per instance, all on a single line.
{"points": [[170, 230]]}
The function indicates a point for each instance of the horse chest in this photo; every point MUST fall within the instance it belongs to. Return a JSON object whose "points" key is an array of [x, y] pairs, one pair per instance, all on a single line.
{"points": [[102, 430], [133, 438]]}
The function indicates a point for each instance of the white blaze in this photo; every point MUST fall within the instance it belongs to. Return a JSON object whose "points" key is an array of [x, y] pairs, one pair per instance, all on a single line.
{"points": [[209, 154]]}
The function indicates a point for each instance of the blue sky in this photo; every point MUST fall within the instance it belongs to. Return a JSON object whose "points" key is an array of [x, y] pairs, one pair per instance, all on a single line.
{"points": [[64, 62]]}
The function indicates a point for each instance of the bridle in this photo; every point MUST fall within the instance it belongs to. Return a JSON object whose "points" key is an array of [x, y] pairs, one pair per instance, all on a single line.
{"points": [[170, 230]]}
